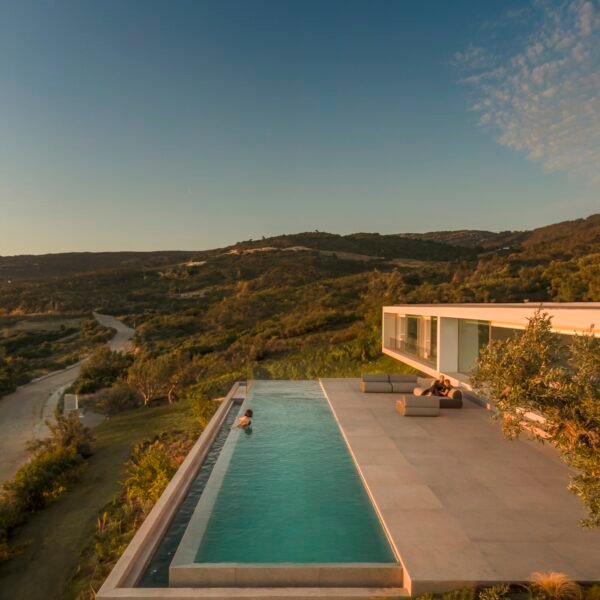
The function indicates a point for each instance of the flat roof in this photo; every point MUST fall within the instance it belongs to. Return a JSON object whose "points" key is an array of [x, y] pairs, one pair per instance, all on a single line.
{"points": [[567, 317], [461, 504], [521, 305]]}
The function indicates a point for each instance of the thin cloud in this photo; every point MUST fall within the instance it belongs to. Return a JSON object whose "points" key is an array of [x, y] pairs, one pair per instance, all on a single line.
{"points": [[543, 99]]}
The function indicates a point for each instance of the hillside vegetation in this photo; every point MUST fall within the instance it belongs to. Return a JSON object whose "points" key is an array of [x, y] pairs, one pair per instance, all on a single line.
{"points": [[302, 305]]}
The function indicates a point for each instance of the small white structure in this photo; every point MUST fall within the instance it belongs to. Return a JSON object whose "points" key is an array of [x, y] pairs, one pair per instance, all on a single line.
{"points": [[446, 338], [71, 403]]}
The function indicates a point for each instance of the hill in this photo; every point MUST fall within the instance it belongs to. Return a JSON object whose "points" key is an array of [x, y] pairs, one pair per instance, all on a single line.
{"points": [[305, 304]]}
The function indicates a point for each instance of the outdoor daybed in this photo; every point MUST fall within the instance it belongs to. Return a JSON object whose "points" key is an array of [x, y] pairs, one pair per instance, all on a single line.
{"points": [[453, 400], [388, 383]]}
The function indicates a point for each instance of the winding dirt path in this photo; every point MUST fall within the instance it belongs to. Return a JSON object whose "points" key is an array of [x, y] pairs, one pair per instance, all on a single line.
{"points": [[24, 412]]}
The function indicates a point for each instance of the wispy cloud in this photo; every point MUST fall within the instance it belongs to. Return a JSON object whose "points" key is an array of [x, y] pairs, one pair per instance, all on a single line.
{"points": [[540, 94]]}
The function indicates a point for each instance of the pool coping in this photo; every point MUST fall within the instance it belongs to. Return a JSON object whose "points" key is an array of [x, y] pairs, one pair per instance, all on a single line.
{"points": [[186, 571]]}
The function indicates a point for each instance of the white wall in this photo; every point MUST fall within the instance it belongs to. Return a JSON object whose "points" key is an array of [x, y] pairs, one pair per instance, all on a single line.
{"points": [[447, 345]]}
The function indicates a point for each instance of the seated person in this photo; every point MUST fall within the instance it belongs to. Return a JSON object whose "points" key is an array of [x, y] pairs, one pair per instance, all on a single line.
{"points": [[447, 388], [245, 421], [437, 388]]}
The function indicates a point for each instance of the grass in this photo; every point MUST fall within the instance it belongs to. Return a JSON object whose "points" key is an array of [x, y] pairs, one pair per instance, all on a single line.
{"points": [[45, 323], [54, 538]]}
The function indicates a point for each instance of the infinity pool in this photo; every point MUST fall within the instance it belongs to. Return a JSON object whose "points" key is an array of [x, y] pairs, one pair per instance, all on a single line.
{"points": [[289, 491]]}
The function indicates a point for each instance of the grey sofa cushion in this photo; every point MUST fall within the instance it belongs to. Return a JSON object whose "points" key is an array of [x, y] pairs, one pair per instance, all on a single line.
{"points": [[375, 386], [376, 377], [404, 387], [418, 406], [420, 401], [453, 400], [403, 378], [450, 402]]}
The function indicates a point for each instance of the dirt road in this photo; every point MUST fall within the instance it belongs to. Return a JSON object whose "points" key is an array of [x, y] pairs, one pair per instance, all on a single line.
{"points": [[24, 412]]}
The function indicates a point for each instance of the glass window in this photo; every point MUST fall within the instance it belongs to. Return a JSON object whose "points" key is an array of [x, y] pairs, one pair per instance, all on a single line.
{"points": [[412, 334], [472, 336], [433, 339], [505, 333]]}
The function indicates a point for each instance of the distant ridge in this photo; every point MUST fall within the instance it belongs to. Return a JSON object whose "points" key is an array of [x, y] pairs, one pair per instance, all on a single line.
{"points": [[561, 239]]}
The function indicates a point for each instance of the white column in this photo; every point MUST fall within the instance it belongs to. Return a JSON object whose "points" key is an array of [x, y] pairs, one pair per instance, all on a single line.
{"points": [[447, 345]]}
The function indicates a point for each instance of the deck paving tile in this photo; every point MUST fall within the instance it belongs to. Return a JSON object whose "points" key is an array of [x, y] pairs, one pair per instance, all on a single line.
{"points": [[461, 503]]}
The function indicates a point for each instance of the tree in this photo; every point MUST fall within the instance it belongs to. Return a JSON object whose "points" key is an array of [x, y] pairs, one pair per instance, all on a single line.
{"points": [[165, 376], [537, 372], [101, 370], [147, 376], [179, 373]]}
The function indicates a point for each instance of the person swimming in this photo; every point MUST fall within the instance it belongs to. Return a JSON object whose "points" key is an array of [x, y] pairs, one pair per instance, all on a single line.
{"points": [[245, 421]]}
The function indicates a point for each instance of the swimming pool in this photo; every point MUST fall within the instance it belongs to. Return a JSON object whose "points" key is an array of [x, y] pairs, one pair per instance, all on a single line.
{"points": [[287, 492]]}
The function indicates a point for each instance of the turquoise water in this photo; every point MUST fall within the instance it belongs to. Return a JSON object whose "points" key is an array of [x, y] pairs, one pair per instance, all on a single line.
{"points": [[291, 493]]}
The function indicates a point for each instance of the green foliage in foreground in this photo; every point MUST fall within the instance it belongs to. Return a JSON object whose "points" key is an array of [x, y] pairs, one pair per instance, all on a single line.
{"points": [[150, 468], [536, 372], [55, 463]]}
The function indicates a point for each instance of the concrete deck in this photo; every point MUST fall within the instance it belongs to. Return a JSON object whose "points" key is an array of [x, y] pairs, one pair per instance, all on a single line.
{"points": [[460, 503]]}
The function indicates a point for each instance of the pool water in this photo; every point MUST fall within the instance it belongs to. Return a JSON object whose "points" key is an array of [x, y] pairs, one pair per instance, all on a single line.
{"points": [[291, 492]]}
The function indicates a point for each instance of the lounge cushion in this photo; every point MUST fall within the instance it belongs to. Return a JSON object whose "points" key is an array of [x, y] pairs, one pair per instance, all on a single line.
{"points": [[403, 378], [418, 406], [404, 387], [375, 387], [420, 401], [376, 377], [453, 400]]}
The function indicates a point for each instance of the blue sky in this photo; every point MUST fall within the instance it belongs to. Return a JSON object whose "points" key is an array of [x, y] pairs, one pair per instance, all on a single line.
{"points": [[189, 125]]}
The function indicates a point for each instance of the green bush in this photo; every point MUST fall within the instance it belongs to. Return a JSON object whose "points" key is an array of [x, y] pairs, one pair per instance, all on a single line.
{"points": [[66, 431], [495, 592], [149, 472], [44, 478], [55, 462], [121, 396], [101, 370]]}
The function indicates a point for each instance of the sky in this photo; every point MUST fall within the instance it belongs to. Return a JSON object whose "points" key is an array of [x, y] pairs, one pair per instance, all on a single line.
{"points": [[195, 124]]}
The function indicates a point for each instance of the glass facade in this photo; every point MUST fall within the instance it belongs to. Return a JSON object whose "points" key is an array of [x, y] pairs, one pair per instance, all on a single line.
{"points": [[472, 336], [504, 333], [414, 335]]}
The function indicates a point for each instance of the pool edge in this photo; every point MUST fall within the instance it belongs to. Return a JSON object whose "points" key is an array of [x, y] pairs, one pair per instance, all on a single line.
{"points": [[130, 566]]}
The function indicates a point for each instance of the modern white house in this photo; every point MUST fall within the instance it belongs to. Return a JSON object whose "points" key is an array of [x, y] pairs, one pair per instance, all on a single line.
{"points": [[446, 338]]}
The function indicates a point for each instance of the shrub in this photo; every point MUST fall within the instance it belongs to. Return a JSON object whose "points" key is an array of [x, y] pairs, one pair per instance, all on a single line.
{"points": [[592, 592], [55, 462], [460, 594], [495, 592], [101, 370], [121, 396], [66, 431], [554, 586], [44, 478], [149, 472]]}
